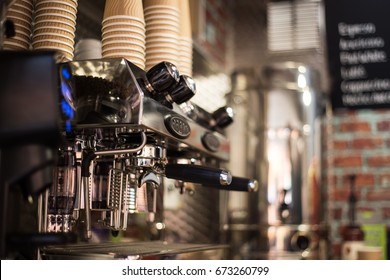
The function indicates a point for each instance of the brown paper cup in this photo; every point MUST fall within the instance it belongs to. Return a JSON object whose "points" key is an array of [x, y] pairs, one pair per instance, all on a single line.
{"points": [[53, 43], [131, 43], [169, 3], [369, 253], [124, 18], [18, 42], [55, 14], [19, 15], [127, 25], [57, 37], [129, 38], [123, 30], [28, 4], [62, 5], [45, 18], [185, 19], [54, 25], [123, 7], [26, 11], [11, 46]]}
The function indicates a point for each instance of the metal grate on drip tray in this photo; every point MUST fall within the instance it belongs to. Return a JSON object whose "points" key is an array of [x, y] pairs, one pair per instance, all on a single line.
{"points": [[123, 250]]}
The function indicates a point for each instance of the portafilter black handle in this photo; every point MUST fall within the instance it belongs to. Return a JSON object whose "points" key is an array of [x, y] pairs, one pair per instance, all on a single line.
{"points": [[238, 184], [198, 174]]}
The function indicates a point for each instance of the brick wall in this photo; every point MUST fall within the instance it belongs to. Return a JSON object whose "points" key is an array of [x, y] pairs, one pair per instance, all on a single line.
{"points": [[357, 142]]}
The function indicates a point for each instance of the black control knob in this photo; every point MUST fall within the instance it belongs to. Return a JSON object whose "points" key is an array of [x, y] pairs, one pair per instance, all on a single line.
{"points": [[223, 117], [162, 77], [184, 90]]}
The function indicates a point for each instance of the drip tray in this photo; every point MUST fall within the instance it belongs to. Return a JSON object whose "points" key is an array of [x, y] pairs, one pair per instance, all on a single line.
{"points": [[123, 250]]}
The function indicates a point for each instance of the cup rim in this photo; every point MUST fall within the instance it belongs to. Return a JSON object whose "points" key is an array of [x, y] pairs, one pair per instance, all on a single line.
{"points": [[104, 32], [16, 45], [163, 17], [53, 41], [105, 44], [131, 36], [163, 52], [49, 26], [123, 17], [55, 15], [161, 7], [29, 3], [74, 7], [123, 23], [164, 46], [172, 29], [121, 48], [51, 34], [53, 27], [19, 12], [162, 40], [162, 35], [53, 48], [127, 54], [37, 10], [163, 22]]}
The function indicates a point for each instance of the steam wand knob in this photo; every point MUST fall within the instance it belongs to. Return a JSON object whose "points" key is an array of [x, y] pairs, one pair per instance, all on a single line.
{"points": [[162, 77]]}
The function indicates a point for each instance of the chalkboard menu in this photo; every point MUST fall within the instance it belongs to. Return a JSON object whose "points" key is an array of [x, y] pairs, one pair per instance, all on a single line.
{"points": [[358, 43]]}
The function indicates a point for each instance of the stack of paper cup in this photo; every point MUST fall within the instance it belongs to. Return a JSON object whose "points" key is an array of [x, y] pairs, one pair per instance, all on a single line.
{"points": [[55, 27], [162, 18], [185, 39], [123, 31], [21, 14], [88, 49]]}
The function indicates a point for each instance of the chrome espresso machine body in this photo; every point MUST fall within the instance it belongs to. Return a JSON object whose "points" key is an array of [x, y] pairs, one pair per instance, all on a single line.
{"points": [[124, 131]]}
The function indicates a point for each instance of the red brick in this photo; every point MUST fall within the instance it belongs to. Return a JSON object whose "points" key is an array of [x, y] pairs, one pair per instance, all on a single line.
{"points": [[362, 180], [342, 194], [386, 212], [367, 143], [347, 161], [337, 213], [382, 195], [383, 126], [355, 126], [378, 161], [340, 144]]}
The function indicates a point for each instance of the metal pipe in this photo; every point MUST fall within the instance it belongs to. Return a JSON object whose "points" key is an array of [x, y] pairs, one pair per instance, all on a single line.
{"points": [[123, 151]]}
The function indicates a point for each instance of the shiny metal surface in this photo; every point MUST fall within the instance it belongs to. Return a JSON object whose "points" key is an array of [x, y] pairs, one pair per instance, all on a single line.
{"points": [[133, 109], [124, 250]]}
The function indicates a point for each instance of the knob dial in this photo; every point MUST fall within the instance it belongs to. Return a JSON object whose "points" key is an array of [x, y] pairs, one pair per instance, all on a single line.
{"points": [[184, 90], [162, 77], [223, 117]]}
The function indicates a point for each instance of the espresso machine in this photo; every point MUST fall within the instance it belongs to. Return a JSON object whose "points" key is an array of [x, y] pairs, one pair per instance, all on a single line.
{"points": [[123, 131]]}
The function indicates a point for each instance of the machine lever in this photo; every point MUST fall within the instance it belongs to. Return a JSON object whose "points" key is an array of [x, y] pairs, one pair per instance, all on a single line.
{"points": [[238, 184], [198, 174]]}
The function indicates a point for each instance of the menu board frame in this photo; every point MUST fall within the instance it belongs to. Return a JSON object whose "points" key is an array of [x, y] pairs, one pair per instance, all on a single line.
{"points": [[358, 48]]}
